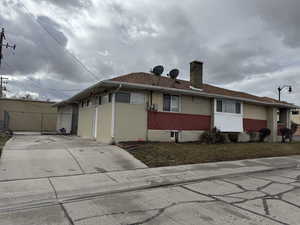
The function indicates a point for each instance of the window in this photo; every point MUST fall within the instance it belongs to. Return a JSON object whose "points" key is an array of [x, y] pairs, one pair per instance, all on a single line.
{"points": [[172, 134], [137, 98], [171, 103], [123, 97], [219, 106], [295, 112], [94, 100], [87, 103], [238, 108], [82, 104], [228, 106], [104, 99], [99, 100], [109, 97]]}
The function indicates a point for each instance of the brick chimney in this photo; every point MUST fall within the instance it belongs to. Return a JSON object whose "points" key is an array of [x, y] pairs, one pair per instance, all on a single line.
{"points": [[196, 74]]}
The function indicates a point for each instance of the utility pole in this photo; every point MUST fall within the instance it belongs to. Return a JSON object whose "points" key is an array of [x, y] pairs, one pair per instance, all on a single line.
{"points": [[7, 45], [3, 82], [2, 38]]}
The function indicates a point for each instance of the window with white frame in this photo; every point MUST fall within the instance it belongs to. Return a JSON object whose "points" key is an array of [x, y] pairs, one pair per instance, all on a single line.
{"points": [[228, 106], [137, 98], [104, 99], [171, 103], [123, 97], [130, 97]]}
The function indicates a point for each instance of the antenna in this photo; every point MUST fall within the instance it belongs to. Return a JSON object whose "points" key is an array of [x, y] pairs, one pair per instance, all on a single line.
{"points": [[173, 74], [158, 70]]}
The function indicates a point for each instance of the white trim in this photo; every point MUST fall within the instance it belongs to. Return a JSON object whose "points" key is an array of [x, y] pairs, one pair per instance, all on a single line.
{"points": [[113, 115], [196, 89], [228, 122], [96, 122]]}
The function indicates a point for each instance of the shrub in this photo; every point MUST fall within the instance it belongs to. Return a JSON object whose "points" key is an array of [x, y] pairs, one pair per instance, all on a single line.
{"points": [[294, 127], [214, 136], [263, 133], [233, 137]]}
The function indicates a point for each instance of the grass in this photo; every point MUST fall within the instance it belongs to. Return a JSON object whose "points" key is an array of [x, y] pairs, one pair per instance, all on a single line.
{"points": [[3, 139], [171, 154]]}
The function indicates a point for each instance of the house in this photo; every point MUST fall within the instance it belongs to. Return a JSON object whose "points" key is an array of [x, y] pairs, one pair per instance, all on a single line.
{"points": [[27, 115], [148, 107]]}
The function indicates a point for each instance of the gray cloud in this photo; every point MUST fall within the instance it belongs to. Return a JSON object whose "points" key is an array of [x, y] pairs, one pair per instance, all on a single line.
{"points": [[73, 4], [238, 41]]}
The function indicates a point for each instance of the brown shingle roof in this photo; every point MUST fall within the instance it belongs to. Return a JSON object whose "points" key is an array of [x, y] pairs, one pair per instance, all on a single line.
{"points": [[151, 79]]}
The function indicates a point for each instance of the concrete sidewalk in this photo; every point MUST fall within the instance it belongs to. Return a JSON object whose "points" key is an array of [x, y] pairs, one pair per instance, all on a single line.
{"points": [[26, 192]]}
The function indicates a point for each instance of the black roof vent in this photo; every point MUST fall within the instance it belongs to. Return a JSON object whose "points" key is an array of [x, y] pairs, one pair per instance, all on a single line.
{"points": [[173, 74], [158, 70]]}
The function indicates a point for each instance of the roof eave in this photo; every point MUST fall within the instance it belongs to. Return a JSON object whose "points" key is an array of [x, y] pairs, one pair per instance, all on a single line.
{"points": [[195, 93], [109, 83]]}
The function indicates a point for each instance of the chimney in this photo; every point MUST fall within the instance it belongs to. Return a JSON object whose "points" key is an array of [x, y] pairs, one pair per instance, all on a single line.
{"points": [[196, 74]]}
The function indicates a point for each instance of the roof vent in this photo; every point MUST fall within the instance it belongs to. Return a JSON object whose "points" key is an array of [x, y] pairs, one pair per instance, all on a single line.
{"points": [[158, 70], [173, 74]]}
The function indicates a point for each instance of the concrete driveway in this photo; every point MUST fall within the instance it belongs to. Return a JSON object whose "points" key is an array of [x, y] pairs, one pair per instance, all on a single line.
{"points": [[38, 156]]}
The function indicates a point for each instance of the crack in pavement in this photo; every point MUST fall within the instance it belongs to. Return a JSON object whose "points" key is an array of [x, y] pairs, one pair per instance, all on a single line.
{"points": [[266, 207], [159, 211], [236, 206]]}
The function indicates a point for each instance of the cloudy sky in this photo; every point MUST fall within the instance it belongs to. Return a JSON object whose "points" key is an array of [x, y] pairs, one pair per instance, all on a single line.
{"points": [[252, 46]]}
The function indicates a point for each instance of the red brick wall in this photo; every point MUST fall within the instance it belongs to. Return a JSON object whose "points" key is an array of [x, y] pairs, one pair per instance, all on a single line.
{"points": [[177, 121], [254, 125]]}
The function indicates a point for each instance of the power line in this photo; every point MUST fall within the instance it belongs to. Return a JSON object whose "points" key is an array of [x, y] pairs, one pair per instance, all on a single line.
{"points": [[59, 44]]}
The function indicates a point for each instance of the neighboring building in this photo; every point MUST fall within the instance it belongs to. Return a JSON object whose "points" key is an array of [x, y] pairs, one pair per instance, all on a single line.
{"points": [[27, 115], [144, 106], [296, 119]]}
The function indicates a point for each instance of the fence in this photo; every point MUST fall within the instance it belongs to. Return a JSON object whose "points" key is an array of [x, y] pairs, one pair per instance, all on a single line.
{"points": [[29, 121]]}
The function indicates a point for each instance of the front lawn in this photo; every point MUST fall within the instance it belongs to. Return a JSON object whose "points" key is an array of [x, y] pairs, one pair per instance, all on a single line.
{"points": [[171, 154], [3, 139]]}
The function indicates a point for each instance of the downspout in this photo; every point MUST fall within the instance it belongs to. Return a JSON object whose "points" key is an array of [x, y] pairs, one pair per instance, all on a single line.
{"points": [[113, 114], [149, 106]]}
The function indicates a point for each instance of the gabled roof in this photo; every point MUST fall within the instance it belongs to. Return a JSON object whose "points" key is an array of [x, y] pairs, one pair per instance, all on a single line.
{"points": [[148, 81]]}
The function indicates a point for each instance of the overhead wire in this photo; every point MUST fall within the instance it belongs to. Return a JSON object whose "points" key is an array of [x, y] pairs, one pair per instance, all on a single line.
{"points": [[75, 58]]}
